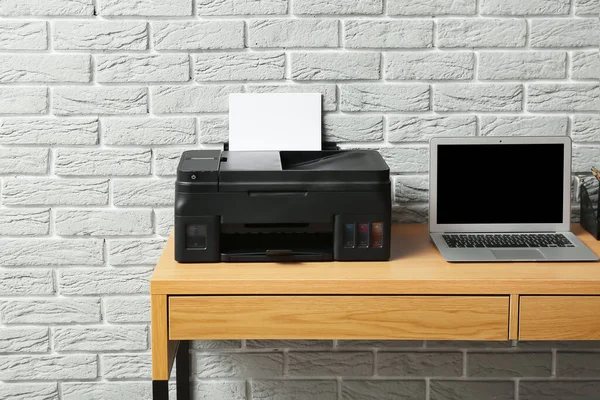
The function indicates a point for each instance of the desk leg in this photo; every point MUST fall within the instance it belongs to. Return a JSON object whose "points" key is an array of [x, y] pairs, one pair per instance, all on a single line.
{"points": [[183, 370], [160, 390], [163, 349]]}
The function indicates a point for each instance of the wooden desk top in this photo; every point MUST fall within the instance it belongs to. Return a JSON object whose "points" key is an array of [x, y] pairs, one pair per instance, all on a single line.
{"points": [[416, 267]]}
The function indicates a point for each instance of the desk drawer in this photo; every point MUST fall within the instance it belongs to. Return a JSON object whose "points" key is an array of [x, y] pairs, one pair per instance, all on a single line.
{"points": [[559, 318], [339, 317]]}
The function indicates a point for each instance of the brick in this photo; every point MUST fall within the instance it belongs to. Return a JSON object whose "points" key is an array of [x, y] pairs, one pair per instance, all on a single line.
{"points": [[209, 345], [24, 282], [60, 192], [481, 33], [564, 97], [106, 391], [531, 7], [135, 251], [44, 68], [43, 7], [149, 8], [382, 390], [29, 391], [364, 344], [239, 66], [467, 344], [24, 340], [167, 161], [584, 157], [100, 35], [565, 32], [432, 7], [102, 162], [477, 97], [242, 7], [352, 128], [213, 129], [143, 68], [224, 390], [518, 125], [471, 390], [411, 188], [192, 99], [293, 344], [239, 365], [560, 344], [557, 390], [23, 100], [28, 161], [419, 364], [427, 65], [24, 222], [294, 390], [522, 65], [578, 365], [388, 34], [48, 367], [48, 252], [407, 213], [412, 159], [384, 97], [143, 192], [51, 311], [408, 128], [164, 221], [587, 7], [511, 364], [147, 131], [23, 35], [337, 7], [586, 128], [321, 363], [99, 100], [127, 309], [293, 33], [91, 281], [339, 66], [49, 131], [99, 222], [126, 366], [100, 338], [585, 65], [200, 35], [328, 92]]}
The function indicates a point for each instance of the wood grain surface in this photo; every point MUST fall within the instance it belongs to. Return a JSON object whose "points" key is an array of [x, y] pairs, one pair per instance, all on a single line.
{"points": [[416, 267], [339, 317]]}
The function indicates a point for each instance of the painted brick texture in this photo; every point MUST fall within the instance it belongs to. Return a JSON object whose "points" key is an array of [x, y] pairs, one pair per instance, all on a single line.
{"points": [[98, 98]]}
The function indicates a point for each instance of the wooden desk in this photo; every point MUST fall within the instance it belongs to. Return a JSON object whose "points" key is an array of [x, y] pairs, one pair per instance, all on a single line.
{"points": [[416, 295]]}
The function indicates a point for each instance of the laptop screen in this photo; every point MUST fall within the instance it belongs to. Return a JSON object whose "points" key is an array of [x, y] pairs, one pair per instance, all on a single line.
{"points": [[500, 183]]}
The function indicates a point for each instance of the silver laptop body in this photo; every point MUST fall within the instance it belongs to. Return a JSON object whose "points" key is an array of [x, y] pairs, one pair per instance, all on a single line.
{"points": [[502, 199]]}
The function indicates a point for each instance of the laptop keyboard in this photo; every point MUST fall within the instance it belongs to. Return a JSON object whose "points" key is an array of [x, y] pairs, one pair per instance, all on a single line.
{"points": [[507, 240]]}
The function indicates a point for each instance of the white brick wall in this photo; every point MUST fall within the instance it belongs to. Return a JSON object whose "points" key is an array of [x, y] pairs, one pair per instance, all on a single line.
{"points": [[98, 98]]}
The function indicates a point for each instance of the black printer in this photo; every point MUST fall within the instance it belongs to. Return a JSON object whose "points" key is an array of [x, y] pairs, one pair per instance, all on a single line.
{"points": [[238, 206]]}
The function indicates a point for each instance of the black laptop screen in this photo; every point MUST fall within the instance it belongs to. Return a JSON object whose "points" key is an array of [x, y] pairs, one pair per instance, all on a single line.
{"points": [[500, 183]]}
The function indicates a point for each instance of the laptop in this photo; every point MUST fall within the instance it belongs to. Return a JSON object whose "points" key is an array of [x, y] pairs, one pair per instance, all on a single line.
{"points": [[503, 199]]}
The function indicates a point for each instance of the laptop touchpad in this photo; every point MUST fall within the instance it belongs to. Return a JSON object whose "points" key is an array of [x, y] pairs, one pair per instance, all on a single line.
{"points": [[517, 254]]}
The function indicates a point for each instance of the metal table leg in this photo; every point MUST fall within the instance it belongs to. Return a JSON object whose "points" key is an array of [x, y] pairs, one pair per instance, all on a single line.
{"points": [[183, 370]]}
